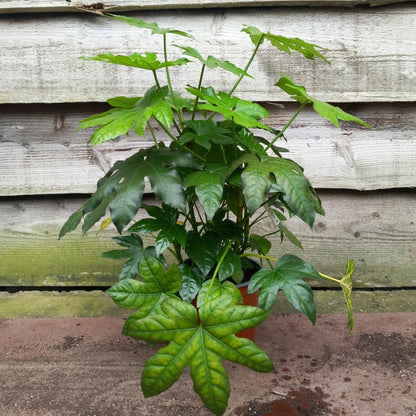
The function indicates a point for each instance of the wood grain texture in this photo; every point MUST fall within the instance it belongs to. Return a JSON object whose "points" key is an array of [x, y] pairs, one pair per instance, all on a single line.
{"points": [[81, 304], [23, 6], [42, 153], [370, 60], [376, 229]]}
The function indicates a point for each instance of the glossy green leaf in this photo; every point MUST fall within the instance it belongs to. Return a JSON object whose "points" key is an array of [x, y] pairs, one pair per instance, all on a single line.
{"points": [[203, 250], [123, 186], [231, 267], [201, 346], [332, 113], [205, 132], [212, 62], [165, 220], [147, 61], [133, 251], [242, 112], [133, 112], [192, 280], [208, 187], [259, 243], [250, 143], [287, 275], [154, 27], [213, 288], [276, 174], [285, 44], [285, 232], [148, 293]]}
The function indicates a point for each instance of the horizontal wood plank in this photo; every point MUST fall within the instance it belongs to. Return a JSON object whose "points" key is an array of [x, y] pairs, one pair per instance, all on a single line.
{"points": [[370, 60], [376, 229], [81, 304], [42, 153], [23, 6]]}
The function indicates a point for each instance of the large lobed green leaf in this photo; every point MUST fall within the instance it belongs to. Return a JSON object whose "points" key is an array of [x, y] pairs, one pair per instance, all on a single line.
{"points": [[154, 27], [275, 174], [121, 189], [202, 346], [328, 111], [147, 61], [287, 275], [285, 44]]}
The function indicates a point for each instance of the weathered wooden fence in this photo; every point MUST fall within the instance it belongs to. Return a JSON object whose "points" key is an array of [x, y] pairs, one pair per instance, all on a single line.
{"points": [[366, 178]]}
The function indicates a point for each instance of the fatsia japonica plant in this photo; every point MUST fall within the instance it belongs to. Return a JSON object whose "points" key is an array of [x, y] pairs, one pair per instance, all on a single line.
{"points": [[214, 180]]}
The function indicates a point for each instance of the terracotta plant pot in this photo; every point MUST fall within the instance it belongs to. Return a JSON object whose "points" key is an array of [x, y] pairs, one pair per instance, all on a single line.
{"points": [[250, 300]]}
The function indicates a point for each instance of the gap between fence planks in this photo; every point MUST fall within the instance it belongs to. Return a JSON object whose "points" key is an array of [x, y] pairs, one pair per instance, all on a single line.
{"points": [[80, 304], [370, 60], [23, 6]]}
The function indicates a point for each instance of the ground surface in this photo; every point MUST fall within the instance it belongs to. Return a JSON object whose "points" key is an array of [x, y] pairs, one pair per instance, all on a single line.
{"points": [[85, 367]]}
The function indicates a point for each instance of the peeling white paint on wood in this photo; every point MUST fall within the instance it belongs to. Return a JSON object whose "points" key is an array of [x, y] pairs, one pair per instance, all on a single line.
{"points": [[370, 60]]}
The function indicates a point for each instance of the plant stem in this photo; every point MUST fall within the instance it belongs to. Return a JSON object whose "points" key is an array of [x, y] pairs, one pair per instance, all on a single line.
{"points": [[165, 53], [286, 125], [218, 267], [259, 256], [330, 278], [176, 140], [156, 79], [240, 78], [201, 76], [153, 135], [166, 130]]}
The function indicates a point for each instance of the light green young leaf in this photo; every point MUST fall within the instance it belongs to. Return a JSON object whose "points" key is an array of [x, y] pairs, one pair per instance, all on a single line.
{"points": [[285, 44], [242, 112], [201, 346], [154, 27], [328, 111], [287, 275], [148, 61], [132, 112], [212, 62]]}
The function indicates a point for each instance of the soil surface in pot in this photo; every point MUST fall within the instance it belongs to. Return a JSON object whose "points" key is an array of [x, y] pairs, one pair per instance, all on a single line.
{"points": [[85, 367]]}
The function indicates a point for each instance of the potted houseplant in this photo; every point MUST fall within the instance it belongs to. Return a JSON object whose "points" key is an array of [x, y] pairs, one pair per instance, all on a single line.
{"points": [[220, 175]]}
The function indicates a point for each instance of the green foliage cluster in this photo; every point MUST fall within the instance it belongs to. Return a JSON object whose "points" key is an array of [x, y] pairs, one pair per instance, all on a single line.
{"points": [[216, 179]]}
